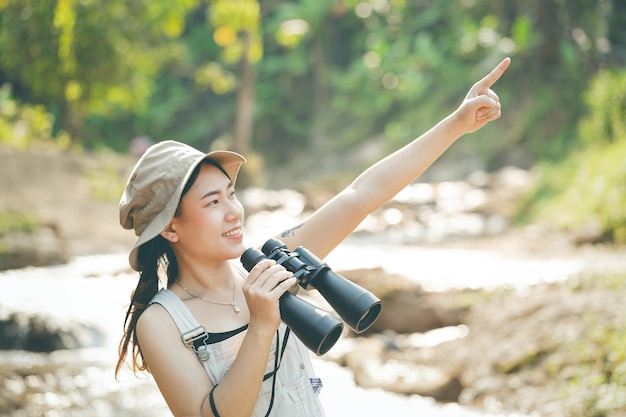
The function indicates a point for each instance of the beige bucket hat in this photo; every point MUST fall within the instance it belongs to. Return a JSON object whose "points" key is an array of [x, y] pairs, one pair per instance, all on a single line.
{"points": [[156, 184]]}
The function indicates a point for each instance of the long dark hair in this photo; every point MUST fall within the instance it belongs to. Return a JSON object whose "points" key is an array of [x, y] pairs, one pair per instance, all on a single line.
{"points": [[154, 256]]}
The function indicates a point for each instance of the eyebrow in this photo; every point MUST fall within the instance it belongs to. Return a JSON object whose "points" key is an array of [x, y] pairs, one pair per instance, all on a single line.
{"points": [[215, 192]]}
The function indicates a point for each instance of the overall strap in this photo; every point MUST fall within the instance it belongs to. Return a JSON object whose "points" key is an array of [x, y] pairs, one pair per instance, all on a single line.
{"points": [[194, 335]]}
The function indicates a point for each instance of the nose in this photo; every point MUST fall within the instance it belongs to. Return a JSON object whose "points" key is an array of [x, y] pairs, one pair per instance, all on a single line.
{"points": [[235, 210]]}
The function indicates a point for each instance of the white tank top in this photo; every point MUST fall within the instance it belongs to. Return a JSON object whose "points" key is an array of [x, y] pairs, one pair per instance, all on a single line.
{"points": [[296, 386]]}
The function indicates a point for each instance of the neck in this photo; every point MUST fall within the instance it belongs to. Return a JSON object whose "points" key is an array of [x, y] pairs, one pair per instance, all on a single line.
{"points": [[221, 292], [205, 278]]}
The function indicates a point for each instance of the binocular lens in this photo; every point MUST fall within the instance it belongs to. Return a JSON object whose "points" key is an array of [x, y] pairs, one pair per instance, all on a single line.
{"points": [[358, 307], [316, 328], [250, 258], [369, 318]]}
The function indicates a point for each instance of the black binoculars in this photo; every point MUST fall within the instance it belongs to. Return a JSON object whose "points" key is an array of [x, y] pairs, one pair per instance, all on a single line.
{"points": [[316, 328]]}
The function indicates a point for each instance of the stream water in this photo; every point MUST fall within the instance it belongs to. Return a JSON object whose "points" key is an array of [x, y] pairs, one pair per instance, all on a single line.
{"points": [[95, 290]]}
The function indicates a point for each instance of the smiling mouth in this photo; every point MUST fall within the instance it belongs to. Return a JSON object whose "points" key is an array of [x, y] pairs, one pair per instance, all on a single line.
{"points": [[233, 232]]}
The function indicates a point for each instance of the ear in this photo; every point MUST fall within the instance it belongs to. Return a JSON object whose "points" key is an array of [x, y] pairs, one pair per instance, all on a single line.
{"points": [[169, 233]]}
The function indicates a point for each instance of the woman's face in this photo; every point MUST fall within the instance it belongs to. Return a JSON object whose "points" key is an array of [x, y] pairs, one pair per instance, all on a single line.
{"points": [[210, 225]]}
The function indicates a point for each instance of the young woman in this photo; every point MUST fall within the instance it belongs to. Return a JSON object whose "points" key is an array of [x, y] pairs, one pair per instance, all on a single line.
{"points": [[212, 337]]}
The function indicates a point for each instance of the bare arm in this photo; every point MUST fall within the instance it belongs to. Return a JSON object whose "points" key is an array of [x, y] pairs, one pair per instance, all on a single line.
{"points": [[335, 220], [181, 378]]}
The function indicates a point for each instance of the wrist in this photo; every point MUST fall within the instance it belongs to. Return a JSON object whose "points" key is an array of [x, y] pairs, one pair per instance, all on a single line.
{"points": [[453, 125], [261, 331]]}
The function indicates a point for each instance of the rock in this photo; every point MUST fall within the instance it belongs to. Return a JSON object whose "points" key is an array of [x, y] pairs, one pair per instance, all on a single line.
{"points": [[42, 246], [410, 311], [407, 308], [376, 364], [38, 333], [62, 191]]}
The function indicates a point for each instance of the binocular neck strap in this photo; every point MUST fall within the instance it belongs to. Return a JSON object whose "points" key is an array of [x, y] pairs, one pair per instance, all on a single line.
{"points": [[277, 362], [267, 376]]}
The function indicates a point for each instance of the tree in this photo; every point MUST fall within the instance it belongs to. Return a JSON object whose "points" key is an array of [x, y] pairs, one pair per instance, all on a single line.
{"points": [[237, 31], [87, 57]]}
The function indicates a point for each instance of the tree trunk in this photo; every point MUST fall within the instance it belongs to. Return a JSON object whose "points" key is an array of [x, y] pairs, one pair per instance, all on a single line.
{"points": [[320, 95], [244, 118], [72, 121]]}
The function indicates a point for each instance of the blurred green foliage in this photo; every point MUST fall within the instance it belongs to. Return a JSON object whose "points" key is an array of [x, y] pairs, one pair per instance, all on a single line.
{"points": [[606, 99], [88, 58], [103, 178], [23, 126], [600, 364], [588, 189], [327, 75], [597, 362], [13, 221]]}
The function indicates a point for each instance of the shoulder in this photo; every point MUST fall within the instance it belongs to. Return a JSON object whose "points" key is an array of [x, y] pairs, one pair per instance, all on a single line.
{"points": [[155, 322], [158, 339], [176, 369]]}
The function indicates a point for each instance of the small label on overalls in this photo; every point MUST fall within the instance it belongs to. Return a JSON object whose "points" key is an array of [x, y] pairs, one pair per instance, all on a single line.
{"points": [[316, 384]]}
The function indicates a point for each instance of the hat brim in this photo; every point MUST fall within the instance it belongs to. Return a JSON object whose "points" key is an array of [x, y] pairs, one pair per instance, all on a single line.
{"points": [[231, 163]]}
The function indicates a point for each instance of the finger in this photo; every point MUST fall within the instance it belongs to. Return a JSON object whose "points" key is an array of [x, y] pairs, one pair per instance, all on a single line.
{"points": [[276, 278], [285, 285], [492, 95], [484, 104], [495, 74], [271, 276], [489, 113], [257, 271]]}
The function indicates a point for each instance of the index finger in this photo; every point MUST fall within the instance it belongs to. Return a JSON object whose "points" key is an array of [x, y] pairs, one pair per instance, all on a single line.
{"points": [[495, 74]]}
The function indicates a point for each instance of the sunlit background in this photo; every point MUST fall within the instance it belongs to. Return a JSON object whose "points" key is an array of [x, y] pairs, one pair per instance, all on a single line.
{"points": [[501, 268]]}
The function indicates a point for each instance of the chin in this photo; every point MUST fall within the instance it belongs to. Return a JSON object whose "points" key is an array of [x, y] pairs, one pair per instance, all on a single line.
{"points": [[238, 251]]}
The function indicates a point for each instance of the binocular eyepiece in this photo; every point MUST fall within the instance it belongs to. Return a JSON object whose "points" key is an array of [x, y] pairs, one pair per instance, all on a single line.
{"points": [[316, 328]]}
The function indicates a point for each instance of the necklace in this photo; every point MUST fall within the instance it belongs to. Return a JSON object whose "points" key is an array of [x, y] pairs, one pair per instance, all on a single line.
{"points": [[230, 303]]}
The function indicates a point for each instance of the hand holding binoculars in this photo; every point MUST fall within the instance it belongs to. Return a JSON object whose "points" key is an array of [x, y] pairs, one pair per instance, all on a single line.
{"points": [[316, 328]]}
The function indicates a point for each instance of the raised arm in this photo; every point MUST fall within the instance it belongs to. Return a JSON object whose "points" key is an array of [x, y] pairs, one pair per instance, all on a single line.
{"points": [[334, 221]]}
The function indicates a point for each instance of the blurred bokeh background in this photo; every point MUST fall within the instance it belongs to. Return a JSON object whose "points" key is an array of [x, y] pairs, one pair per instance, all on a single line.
{"points": [[312, 92]]}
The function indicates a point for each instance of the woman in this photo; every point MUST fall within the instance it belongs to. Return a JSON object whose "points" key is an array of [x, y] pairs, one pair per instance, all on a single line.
{"points": [[235, 357]]}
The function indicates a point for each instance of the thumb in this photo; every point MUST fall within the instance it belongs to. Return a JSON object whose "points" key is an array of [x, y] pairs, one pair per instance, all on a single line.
{"points": [[475, 109], [481, 101]]}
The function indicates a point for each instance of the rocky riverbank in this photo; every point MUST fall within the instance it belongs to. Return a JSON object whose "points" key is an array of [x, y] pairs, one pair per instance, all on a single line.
{"points": [[551, 349]]}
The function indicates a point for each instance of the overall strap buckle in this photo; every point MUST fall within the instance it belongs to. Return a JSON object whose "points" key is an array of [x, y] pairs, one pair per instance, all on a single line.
{"points": [[198, 340]]}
